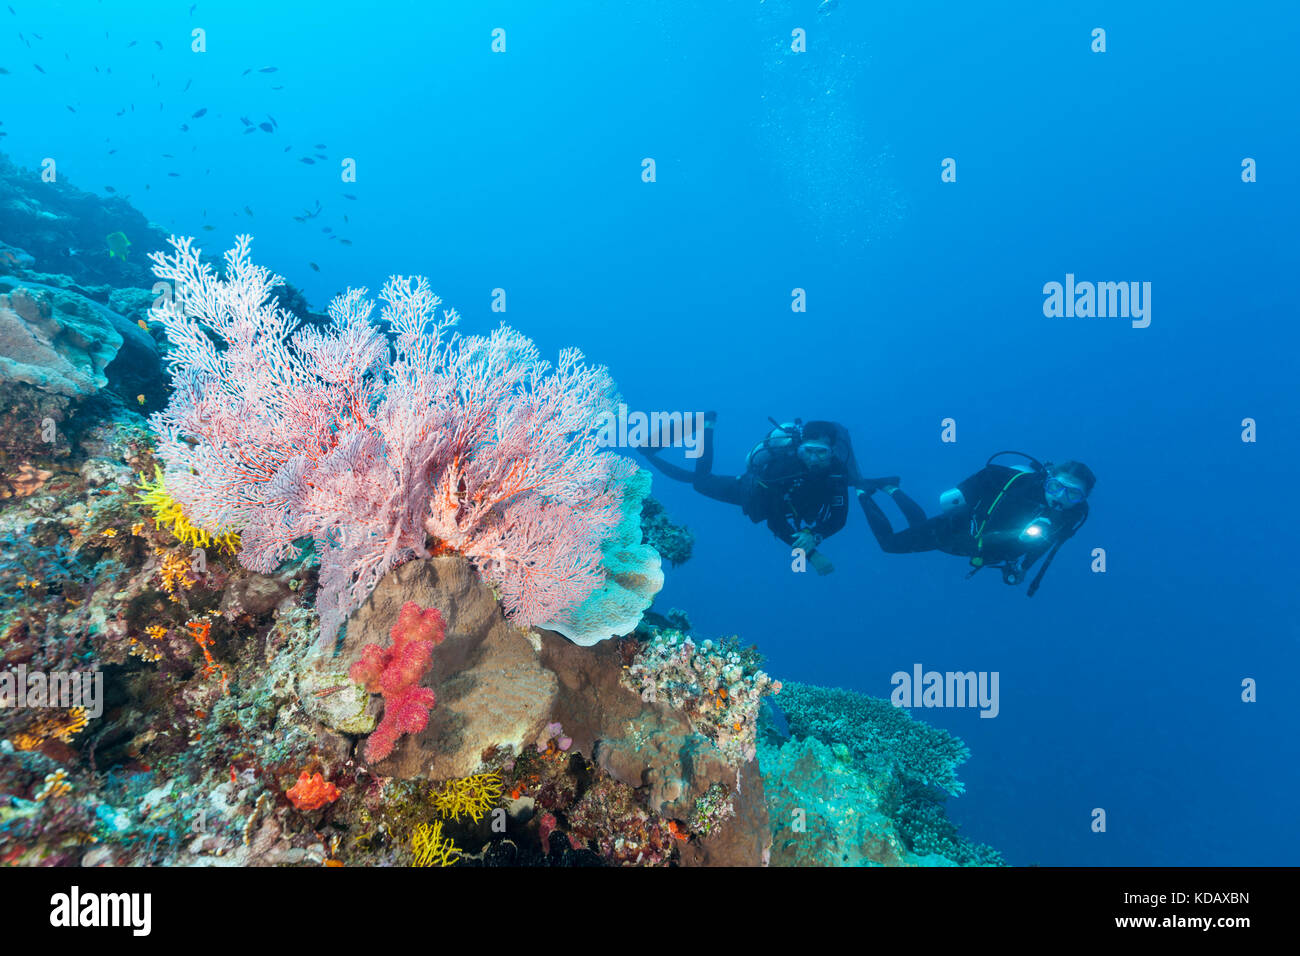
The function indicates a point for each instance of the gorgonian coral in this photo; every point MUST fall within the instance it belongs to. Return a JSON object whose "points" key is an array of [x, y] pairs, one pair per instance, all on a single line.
{"points": [[283, 433]]}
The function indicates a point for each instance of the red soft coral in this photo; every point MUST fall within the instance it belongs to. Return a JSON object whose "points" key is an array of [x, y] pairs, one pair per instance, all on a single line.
{"points": [[396, 671]]}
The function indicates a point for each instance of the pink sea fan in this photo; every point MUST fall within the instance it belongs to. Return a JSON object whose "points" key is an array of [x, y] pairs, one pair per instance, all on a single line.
{"points": [[367, 444]]}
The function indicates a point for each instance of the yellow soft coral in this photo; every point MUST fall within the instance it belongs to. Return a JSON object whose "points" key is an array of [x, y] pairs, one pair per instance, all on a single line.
{"points": [[472, 796], [63, 725], [174, 570], [430, 848], [167, 513]]}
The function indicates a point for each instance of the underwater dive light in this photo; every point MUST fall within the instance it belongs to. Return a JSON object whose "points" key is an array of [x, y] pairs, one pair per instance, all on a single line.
{"points": [[1036, 530]]}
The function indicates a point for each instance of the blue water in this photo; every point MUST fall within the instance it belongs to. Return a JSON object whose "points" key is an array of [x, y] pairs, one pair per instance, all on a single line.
{"points": [[821, 171]]}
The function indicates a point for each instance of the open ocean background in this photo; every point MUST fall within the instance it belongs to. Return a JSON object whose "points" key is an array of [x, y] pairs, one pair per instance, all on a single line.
{"points": [[821, 171]]}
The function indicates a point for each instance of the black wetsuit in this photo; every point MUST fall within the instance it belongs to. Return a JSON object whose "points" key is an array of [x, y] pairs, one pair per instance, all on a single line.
{"points": [[1000, 503], [799, 499]]}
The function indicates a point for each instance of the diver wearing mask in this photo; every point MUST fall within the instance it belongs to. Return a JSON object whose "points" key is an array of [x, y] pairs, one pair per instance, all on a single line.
{"points": [[796, 479], [1001, 516]]}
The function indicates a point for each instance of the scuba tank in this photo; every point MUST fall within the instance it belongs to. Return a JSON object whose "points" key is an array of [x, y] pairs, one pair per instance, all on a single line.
{"points": [[1038, 466]]}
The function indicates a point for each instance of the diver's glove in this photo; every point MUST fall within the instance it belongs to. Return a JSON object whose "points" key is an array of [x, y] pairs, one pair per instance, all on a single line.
{"points": [[805, 541]]}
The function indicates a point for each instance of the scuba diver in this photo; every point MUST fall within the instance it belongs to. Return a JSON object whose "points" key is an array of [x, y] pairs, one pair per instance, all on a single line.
{"points": [[796, 479], [1001, 516]]}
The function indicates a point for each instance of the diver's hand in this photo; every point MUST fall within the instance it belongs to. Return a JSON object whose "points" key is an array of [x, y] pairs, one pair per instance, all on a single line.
{"points": [[821, 563], [805, 541]]}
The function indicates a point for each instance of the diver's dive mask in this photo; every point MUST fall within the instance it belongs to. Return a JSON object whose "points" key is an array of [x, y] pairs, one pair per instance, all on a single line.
{"points": [[815, 454], [1062, 493]]}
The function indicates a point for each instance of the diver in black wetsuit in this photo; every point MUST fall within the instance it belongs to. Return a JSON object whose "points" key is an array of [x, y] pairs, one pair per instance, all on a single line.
{"points": [[797, 480], [998, 517]]}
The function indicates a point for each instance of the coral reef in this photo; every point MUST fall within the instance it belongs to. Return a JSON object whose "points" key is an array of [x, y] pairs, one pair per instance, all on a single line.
{"points": [[673, 541], [880, 736], [438, 489]]}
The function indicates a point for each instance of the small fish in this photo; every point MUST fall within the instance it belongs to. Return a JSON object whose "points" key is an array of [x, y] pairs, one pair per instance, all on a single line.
{"points": [[3, 71], [247, 210], [246, 121], [299, 219], [320, 146], [251, 129], [272, 119], [277, 87], [140, 399], [346, 242], [109, 189], [38, 36], [158, 43], [132, 43], [208, 228], [192, 6], [118, 243], [168, 156], [187, 85], [268, 69], [246, 72], [265, 127], [71, 110], [327, 229], [349, 196], [142, 324], [287, 148], [112, 151], [175, 175], [185, 127], [39, 68], [321, 156], [345, 217], [13, 11], [202, 111], [314, 266], [308, 160]]}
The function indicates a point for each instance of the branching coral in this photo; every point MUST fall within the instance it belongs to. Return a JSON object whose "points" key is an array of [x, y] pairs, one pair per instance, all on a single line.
{"points": [[282, 434], [431, 848], [471, 796]]}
